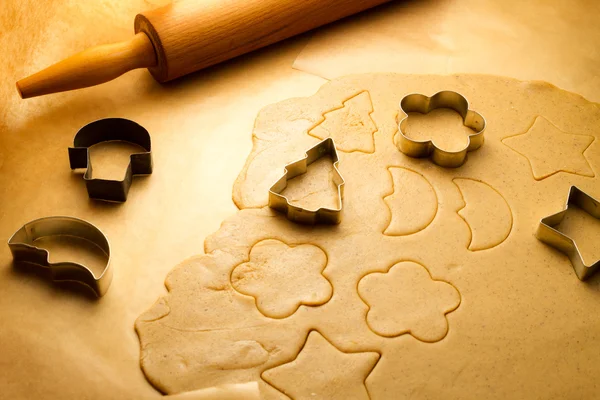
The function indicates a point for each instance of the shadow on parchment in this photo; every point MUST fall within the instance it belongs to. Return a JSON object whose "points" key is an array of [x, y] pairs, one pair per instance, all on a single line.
{"points": [[42, 278]]}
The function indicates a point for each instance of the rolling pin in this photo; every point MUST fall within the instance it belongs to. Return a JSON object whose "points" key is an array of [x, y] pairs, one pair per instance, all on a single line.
{"points": [[189, 35]]}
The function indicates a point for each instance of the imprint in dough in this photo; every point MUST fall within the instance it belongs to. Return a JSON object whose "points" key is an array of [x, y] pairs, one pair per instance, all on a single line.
{"points": [[515, 300], [413, 203], [406, 299], [322, 372], [350, 126], [281, 278], [206, 334], [486, 213], [550, 150]]}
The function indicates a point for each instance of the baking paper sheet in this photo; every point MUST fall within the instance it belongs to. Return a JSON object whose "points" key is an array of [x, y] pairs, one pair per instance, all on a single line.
{"points": [[551, 40]]}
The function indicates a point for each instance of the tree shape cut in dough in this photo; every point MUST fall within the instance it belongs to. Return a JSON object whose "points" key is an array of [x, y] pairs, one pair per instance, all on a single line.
{"points": [[321, 371], [549, 150], [281, 278], [413, 202], [486, 212], [351, 126], [407, 300]]}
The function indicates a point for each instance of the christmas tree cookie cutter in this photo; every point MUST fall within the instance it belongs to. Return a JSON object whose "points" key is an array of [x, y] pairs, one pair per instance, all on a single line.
{"points": [[104, 130], [548, 233], [302, 215], [23, 248], [424, 148]]}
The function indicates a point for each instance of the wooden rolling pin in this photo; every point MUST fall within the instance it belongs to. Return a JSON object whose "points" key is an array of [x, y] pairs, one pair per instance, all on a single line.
{"points": [[189, 35]]}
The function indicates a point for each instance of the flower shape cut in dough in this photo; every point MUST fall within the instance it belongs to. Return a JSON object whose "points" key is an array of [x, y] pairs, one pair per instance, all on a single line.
{"points": [[281, 278], [407, 300]]}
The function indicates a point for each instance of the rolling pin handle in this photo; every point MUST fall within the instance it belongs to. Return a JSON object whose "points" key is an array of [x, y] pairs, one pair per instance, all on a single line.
{"points": [[90, 67]]}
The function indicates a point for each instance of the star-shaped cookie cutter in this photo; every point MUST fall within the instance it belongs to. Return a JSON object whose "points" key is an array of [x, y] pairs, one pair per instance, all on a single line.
{"points": [[104, 130], [548, 233], [302, 215], [423, 148], [23, 248]]}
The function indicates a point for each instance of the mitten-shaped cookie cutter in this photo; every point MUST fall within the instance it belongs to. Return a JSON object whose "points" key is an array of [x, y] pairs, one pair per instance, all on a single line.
{"points": [[302, 215], [548, 233], [104, 130], [423, 148], [23, 248]]}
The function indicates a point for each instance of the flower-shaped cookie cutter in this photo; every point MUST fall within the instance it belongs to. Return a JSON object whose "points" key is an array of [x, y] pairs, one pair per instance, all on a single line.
{"points": [[23, 248], [294, 213], [548, 233], [423, 148]]}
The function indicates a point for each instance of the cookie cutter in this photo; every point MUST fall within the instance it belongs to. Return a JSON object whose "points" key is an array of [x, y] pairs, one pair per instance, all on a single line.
{"points": [[551, 236], [104, 130], [23, 248], [302, 215], [423, 148]]}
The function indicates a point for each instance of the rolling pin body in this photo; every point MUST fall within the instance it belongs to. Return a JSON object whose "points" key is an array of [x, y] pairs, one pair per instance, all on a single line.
{"points": [[189, 35]]}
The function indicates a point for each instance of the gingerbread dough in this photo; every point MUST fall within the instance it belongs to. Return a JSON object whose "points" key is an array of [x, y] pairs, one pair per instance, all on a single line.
{"points": [[433, 285]]}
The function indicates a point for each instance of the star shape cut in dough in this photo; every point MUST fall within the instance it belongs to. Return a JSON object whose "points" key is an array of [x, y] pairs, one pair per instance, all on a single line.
{"points": [[550, 150], [321, 371]]}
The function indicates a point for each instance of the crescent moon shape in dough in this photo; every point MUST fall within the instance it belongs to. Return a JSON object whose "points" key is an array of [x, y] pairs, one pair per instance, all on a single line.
{"points": [[486, 212], [413, 202]]}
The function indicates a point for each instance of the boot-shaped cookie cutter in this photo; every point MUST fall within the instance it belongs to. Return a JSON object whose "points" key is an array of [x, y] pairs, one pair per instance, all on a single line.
{"points": [[104, 130], [548, 233], [302, 215], [424, 148], [23, 248]]}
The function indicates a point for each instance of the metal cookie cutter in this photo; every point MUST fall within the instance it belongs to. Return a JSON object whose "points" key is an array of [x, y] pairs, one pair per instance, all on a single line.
{"points": [[104, 130], [548, 233], [423, 148], [23, 249], [298, 214]]}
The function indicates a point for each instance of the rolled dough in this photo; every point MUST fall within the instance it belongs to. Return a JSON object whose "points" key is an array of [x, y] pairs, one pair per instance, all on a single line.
{"points": [[433, 286]]}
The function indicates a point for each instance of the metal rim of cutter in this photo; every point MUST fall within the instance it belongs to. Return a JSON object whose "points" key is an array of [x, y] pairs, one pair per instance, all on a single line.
{"points": [[424, 148], [302, 215], [105, 130], [23, 249], [548, 234]]}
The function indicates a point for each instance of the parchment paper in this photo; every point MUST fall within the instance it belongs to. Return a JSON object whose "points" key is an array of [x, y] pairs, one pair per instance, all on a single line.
{"points": [[551, 40]]}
